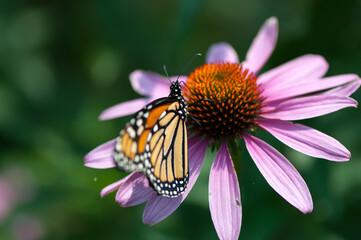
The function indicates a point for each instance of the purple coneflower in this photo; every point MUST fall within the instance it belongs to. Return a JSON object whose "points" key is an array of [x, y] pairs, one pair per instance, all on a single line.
{"points": [[241, 102]]}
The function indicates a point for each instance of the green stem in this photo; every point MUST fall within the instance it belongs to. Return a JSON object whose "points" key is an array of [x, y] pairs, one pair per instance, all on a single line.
{"points": [[235, 151]]}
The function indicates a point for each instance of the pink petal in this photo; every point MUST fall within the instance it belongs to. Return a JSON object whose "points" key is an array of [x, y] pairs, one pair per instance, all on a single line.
{"points": [[135, 190], [221, 52], [344, 91], [101, 157], [224, 196], [149, 84], [113, 187], [124, 109], [262, 46], [158, 207], [305, 67], [298, 88], [279, 173], [146, 83], [306, 140], [307, 107]]}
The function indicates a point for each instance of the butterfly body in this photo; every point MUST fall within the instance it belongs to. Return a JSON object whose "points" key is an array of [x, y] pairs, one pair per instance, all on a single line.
{"points": [[154, 142]]}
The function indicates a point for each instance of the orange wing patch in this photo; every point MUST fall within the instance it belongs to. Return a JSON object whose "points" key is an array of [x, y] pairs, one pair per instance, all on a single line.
{"points": [[155, 113], [142, 141]]}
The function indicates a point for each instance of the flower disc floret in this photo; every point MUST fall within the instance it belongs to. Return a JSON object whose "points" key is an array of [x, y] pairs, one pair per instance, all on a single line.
{"points": [[224, 99]]}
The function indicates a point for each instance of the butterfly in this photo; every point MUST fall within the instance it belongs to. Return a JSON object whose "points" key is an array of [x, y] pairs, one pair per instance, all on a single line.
{"points": [[154, 142]]}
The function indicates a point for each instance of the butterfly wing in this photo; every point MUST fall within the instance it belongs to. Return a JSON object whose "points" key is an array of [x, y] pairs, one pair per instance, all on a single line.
{"points": [[129, 154], [155, 142], [167, 167]]}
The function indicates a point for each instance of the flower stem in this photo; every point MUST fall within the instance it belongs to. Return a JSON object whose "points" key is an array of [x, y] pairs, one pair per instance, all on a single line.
{"points": [[235, 151]]}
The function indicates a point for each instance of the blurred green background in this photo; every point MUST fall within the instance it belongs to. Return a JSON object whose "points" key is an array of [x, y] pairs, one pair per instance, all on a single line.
{"points": [[63, 62]]}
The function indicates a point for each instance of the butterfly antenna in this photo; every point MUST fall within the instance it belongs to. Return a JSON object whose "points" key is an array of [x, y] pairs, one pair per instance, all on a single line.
{"points": [[189, 63], [195, 120], [184, 84], [166, 73]]}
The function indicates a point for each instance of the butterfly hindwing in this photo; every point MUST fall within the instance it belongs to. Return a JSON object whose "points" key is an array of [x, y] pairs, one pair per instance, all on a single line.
{"points": [[167, 168]]}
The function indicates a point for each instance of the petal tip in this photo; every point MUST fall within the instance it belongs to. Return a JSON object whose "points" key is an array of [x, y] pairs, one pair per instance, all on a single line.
{"points": [[347, 158], [322, 60], [102, 194], [86, 163], [306, 211], [101, 157], [221, 52], [306, 207], [133, 76], [89, 159], [102, 116], [272, 21]]}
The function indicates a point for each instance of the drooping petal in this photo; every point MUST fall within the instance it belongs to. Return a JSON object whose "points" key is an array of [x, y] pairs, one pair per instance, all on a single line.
{"points": [[305, 67], [158, 207], [124, 109], [279, 173], [224, 196], [262, 46], [135, 190], [221, 52], [101, 157], [305, 86], [344, 91], [306, 140], [149, 83], [114, 186], [306, 107]]}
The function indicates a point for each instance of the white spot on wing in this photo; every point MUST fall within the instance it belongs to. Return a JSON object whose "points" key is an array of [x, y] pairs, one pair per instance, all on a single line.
{"points": [[131, 132], [162, 115], [139, 122], [155, 128]]}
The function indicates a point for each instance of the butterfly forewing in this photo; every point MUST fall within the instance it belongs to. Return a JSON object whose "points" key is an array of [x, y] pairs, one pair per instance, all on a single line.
{"points": [[155, 142], [130, 151]]}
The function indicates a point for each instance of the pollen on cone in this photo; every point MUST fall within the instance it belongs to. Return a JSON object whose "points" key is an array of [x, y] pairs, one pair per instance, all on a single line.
{"points": [[223, 98]]}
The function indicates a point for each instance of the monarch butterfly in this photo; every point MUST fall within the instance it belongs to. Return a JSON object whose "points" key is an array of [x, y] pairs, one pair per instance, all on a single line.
{"points": [[154, 142]]}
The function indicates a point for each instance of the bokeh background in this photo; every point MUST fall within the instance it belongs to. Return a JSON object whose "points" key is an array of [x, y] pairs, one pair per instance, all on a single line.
{"points": [[63, 62]]}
